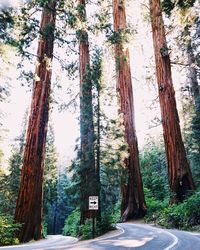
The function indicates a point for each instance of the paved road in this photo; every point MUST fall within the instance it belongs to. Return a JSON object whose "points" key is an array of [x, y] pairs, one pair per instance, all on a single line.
{"points": [[129, 236], [53, 242]]}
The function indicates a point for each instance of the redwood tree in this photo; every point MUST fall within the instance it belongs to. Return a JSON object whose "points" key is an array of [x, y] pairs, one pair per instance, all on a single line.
{"points": [[87, 161], [133, 202], [179, 173], [29, 203]]}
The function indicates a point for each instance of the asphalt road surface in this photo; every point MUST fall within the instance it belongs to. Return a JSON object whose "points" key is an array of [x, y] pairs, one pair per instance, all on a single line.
{"points": [[129, 236]]}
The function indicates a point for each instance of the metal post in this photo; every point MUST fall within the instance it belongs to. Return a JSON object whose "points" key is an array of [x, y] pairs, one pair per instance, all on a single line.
{"points": [[93, 227]]}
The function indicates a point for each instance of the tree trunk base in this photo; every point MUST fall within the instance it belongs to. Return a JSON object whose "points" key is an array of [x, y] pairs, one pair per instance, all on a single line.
{"points": [[130, 213]]}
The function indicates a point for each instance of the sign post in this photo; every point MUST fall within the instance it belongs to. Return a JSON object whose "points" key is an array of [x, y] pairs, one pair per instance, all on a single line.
{"points": [[93, 205]]}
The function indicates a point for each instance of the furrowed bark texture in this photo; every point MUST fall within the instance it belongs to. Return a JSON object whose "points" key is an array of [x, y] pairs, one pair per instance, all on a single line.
{"points": [[179, 174], [87, 170], [29, 203], [133, 202]]}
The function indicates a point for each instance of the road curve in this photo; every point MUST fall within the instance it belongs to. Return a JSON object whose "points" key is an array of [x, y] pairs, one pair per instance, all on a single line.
{"points": [[129, 236], [53, 242]]}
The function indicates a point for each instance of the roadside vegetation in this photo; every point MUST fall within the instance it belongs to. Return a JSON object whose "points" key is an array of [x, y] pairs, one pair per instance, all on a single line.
{"points": [[185, 216]]}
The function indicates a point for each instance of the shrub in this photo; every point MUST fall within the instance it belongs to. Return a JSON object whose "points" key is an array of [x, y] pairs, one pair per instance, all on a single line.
{"points": [[116, 214], [107, 223], [101, 227], [192, 212], [177, 215], [44, 229], [154, 206], [7, 231], [184, 215], [85, 231], [72, 227], [72, 223]]}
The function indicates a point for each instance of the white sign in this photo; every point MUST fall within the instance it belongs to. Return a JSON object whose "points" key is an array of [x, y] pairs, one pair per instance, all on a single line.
{"points": [[93, 202]]}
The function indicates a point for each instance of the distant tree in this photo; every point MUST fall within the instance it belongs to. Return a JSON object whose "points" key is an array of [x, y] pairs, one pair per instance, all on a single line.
{"points": [[194, 143], [50, 183], [96, 77], [179, 173], [29, 202], [9, 186], [11, 180], [87, 158], [133, 201], [154, 169], [65, 202]]}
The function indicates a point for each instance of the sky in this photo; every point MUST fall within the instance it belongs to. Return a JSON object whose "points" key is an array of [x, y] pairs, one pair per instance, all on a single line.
{"points": [[10, 3]]}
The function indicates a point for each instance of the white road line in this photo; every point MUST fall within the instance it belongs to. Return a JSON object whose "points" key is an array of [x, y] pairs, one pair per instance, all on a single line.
{"points": [[175, 241]]}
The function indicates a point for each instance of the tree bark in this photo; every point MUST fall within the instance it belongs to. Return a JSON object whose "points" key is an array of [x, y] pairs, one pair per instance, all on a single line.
{"points": [[179, 173], [133, 202], [29, 203], [87, 163]]}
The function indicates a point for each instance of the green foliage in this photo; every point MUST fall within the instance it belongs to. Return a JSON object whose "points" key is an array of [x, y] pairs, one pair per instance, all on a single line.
{"points": [[154, 206], [184, 215], [191, 207], [81, 12], [7, 22], [85, 231], [106, 223], [11, 181], [44, 229], [167, 6], [103, 21], [176, 215], [72, 223], [154, 170], [29, 32], [65, 201], [120, 37], [7, 230], [116, 213], [113, 155], [50, 182], [185, 4], [71, 19], [101, 227], [44, 3], [73, 228]]}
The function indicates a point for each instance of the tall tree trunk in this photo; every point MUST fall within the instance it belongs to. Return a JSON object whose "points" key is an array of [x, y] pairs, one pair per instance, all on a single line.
{"points": [[87, 168], [29, 203], [179, 174], [133, 202]]}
